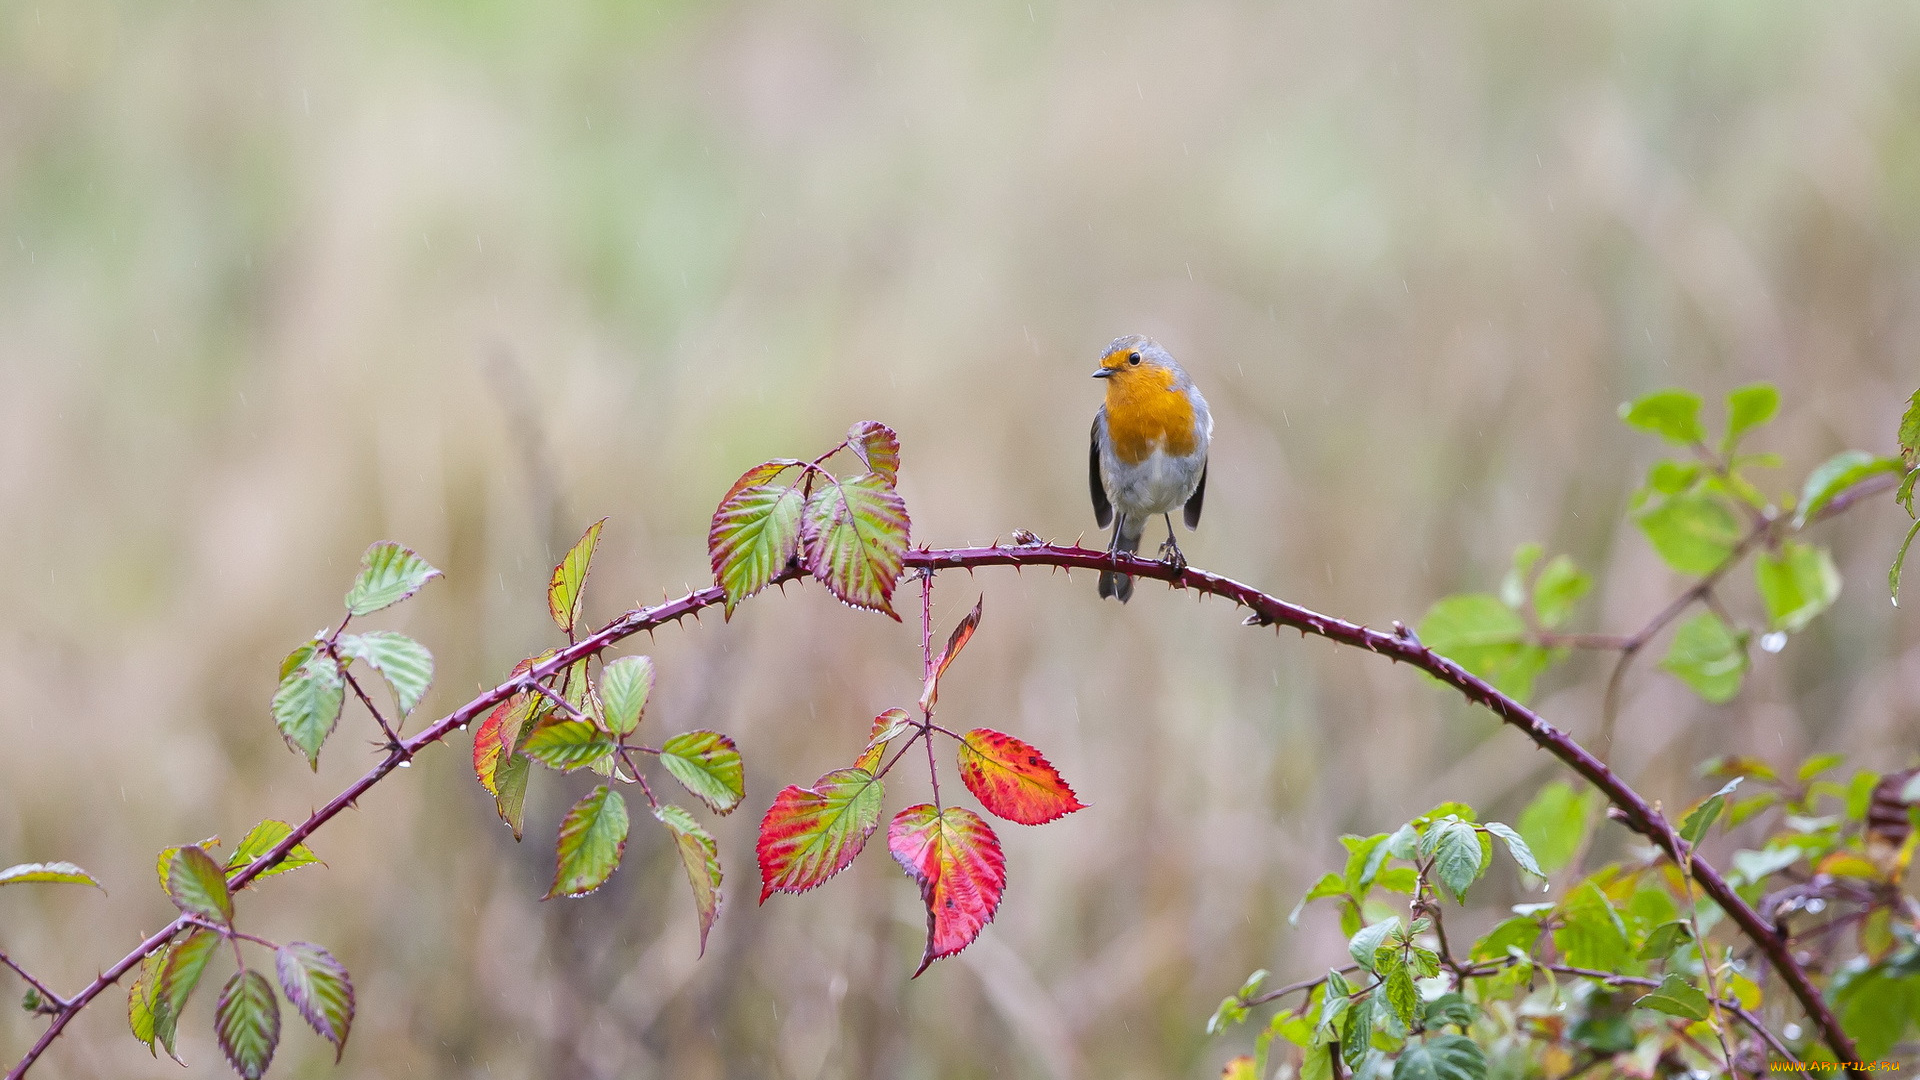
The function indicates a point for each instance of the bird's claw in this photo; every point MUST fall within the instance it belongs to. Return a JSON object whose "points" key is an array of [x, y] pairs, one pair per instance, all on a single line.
{"points": [[1170, 554]]}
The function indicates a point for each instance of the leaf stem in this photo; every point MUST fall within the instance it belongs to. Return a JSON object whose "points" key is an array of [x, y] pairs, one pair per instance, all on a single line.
{"points": [[393, 738]]}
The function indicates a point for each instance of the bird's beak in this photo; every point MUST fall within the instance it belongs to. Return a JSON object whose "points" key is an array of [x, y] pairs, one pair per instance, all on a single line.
{"points": [[1106, 373]]}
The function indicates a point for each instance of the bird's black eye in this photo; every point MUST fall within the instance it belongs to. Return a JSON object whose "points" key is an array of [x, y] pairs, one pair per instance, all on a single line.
{"points": [[1133, 358]]}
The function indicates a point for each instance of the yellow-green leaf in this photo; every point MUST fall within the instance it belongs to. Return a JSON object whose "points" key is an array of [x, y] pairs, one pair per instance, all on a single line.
{"points": [[567, 745], [701, 856], [247, 1022], [624, 686], [564, 590], [708, 765], [260, 840], [52, 873], [855, 535], [198, 886], [307, 705]]}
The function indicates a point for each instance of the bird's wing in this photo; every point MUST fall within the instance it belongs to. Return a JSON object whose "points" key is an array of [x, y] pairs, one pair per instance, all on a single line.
{"points": [[1192, 514], [1102, 508]]}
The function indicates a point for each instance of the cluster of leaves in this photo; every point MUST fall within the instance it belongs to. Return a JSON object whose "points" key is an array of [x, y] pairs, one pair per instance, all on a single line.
{"points": [[247, 1017], [1702, 513], [1624, 970], [850, 533], [578, 720]]}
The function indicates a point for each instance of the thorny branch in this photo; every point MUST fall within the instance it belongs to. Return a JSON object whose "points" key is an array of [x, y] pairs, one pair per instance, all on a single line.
{"points": [[1632, 809]]}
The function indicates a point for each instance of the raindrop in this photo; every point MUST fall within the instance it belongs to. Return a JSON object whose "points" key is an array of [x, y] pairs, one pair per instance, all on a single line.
{"points": [[1816, 905], [406, 764], [1774, 642], [1791, 1031]]}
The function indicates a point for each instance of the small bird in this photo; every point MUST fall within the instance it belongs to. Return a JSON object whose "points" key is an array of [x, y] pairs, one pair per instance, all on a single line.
{"points": [[1149, 451]]}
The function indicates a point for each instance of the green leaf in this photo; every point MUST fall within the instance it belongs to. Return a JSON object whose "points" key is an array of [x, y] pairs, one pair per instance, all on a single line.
{"points": [[1708, 656], [1231, 1011], [1904, 493], [1663, 939], [261, 840], [1558, 588], [1513, 587], [708, 765], [1818, 764], [510, 791], [1402, 995], [1673, 477], [1591, 934], [593, 836], [1909, 435], [1518, 848], [1676, 996], [1837, 474], [1330, 884], [755, 533], [1485, 636], [1368, 941], [1876, 1007], [1400, 879], [854, 533], [1702, 817], [1893, 574], [174, 980], [1441, 1057], [624, 686], [1693, 533], [1519, 932], [568, 745], [564, 589], [197, 886], [50, 873], [403, 662], [389, 573], [1555, 822], [307, 705], [248, 1023], [1450, 1008], [1456, 856], [319, 989], [1747, 408], [140, 998], [1674, 415]]}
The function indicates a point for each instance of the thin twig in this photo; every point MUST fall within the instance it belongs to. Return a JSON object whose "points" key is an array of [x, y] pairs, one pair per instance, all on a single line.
{"points": [[51, 998], [393, 738]]}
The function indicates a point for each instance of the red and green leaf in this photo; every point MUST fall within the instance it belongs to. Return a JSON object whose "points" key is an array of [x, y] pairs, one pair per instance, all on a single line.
{"points": [[389, 573], [593, 836], [708, 765], [811, 834], [955, 642], [1012, 779], [564, 590], [701, 856], [197, 886], [886, 726], [318, 987], [956, 859], [855, 535], [877, 447], [248, 1023], [755, 533], [51, 873], [569, 745]]}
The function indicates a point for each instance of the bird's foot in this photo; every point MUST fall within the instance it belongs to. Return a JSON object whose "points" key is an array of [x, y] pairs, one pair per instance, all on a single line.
{"points": [[1170, 554]]}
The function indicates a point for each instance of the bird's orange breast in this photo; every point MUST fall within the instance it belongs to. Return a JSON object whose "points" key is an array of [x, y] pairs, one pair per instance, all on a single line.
{"points": [[1145, 413]]}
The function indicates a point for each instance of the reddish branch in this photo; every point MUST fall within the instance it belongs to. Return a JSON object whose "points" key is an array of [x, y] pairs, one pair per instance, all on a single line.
{"points": [[1633, 810]]}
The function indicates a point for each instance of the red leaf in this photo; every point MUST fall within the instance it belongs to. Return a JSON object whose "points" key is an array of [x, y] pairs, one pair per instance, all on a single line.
{"points": [[811, 834], [877, 447], [486, 745], [955, 857], [955, 642], [1012, 779]]}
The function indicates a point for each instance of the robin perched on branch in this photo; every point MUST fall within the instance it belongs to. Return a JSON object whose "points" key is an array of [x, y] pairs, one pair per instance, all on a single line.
{"points": [[1149, 451]]}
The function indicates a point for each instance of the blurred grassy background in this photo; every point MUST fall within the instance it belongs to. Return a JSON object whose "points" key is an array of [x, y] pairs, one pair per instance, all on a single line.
{"points": [[278, 280]]}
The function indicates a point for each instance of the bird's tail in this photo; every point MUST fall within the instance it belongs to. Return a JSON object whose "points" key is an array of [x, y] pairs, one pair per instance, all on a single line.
{"points": [[1127, 529]]}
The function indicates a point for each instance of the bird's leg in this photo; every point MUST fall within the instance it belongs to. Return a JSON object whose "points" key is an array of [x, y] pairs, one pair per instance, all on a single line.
{"points": [[1170, 551]]}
